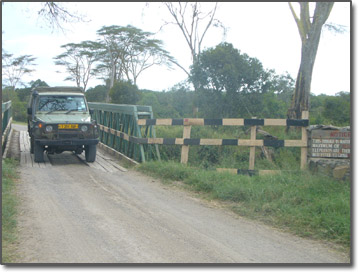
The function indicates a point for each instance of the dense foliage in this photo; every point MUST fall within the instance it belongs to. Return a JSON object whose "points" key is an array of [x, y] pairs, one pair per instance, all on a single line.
{"points": [[228, 84], [124, 92]]}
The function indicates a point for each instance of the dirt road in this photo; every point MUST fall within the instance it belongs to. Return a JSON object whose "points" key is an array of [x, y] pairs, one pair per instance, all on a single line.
{"points": [[74, 212]]}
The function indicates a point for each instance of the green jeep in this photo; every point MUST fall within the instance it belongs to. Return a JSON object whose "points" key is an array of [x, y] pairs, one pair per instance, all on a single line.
{"points": [[59, 120]]}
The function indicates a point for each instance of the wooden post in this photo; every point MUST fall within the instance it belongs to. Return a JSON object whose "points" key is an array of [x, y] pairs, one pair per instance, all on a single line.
{"points": [[252, 148], [305, 115], [185, 148]]}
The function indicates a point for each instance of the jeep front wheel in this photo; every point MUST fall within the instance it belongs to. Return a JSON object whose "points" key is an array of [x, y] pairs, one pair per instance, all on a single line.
{"points": [[90, 153], [32, 145], [38, 153]]}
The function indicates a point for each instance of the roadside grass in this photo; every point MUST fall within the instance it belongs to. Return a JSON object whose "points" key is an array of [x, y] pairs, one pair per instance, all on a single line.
{"points": [[9, 203], [308, 205]]}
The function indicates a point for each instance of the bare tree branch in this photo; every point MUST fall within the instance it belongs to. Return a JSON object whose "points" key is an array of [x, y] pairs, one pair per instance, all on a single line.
{"points": [[193, 24], [56, 15]]}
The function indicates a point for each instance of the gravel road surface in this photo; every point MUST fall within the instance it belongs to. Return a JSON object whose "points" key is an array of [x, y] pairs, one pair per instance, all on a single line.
{"points": [[76, 212]]}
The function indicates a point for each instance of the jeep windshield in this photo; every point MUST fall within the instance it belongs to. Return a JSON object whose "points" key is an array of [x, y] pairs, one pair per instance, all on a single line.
{"points": [[51, 103]]}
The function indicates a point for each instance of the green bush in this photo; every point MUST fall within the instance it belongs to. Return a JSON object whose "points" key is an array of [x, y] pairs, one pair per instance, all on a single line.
{"points": [[96, 94], [124, 92], [19, 111]]}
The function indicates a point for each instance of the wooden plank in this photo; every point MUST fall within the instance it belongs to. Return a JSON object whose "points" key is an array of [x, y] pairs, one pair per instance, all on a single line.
{"points": [[304, 150], [24, 136], [117, 154], [164, 122], [193, 122], [269, 172], [22, 158], [245, 142], [112, 162], [179, 141], [155, 140], [21, 139], [141, 122], [275, 122], [185, 148], [94, 164], [105, 165], [228, 170], [27, 142], [210, 142], [28, 159], [233, 122], [252, 149]]}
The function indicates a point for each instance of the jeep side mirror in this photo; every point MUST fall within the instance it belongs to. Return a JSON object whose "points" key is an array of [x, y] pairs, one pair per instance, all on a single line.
{"points": [[29, 110], [91, 111]]}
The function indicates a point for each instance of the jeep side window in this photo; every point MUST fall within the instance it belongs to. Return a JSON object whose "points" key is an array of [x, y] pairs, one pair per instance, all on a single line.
{"points": [[60, 103]]}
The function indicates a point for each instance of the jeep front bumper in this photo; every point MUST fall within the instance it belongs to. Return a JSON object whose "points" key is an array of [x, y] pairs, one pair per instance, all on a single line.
{"points": [[66, 142]]}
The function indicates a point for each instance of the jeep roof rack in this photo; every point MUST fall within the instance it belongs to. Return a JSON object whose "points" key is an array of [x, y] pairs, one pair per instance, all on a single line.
{"points": [[65, 89]]}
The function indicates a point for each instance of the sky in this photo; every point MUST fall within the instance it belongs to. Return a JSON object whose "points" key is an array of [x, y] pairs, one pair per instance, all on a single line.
{"points": [[266, 31]]}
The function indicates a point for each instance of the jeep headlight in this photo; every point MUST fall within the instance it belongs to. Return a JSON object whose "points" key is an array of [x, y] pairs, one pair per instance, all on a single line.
{"points": [[49, 128], [84, 128]]}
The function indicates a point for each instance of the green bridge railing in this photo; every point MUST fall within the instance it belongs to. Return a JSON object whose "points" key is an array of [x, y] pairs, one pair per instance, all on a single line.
{"points": [[6, 120], [122, 119]]}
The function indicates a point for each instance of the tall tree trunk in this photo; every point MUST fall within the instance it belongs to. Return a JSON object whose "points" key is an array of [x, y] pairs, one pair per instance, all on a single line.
{"points": [[301, 97], [310, 33]]}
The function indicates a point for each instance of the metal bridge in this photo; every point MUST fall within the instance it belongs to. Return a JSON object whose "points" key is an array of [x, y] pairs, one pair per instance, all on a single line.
{"points": [[124, 120], [111, 117]]}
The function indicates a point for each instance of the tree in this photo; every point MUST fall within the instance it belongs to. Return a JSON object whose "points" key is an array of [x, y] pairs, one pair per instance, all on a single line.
{"points": [[128, 51], [336, 109], [38, 83], [96, 94], [124, 92], [78, 60], [224, 78], [310, 31], [193, 24], [14, 68]]}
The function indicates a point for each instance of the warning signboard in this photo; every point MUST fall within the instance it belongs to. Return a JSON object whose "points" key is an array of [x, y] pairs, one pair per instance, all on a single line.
{"points": [[330, 144]]}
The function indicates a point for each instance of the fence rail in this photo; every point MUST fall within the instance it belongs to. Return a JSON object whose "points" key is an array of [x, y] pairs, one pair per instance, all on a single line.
{"points": [[186, 141], [6, 120], [121, 128]]}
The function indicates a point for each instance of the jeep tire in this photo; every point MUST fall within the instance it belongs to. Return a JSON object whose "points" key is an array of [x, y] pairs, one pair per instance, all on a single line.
{"points": [[32, 143], [38, 153], [90, 153]]}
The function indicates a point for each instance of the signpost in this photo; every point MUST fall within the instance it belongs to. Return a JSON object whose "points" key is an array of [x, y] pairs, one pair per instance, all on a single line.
{"points": [[334, 144]]}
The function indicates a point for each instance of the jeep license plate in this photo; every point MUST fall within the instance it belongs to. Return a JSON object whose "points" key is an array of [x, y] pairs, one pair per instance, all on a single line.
{"points": [[67, 126]]}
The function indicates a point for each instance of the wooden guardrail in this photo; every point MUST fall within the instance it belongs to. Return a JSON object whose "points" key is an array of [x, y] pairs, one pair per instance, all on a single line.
{"points": [[6, 120], [186, 141]]}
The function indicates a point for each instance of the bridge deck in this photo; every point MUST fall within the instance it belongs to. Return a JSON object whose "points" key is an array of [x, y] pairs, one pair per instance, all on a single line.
{"points": [[103, 161]]}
